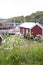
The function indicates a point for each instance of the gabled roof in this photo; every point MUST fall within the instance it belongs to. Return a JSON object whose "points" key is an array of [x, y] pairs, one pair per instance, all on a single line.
{"points": [[39, 25], [30, 25]]}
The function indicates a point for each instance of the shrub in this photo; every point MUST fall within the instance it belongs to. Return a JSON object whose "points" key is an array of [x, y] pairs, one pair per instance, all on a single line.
{"points": [[29, 37], [38, 38]]}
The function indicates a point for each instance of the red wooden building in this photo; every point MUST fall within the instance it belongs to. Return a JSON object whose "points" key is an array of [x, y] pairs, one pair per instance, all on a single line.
{"points": [[1, 24], [31, 28]]}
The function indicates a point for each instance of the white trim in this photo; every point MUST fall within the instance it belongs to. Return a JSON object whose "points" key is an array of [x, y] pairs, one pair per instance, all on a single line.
{"points": [[30, 32], [39, 25], [42, 32], [26, 30]]}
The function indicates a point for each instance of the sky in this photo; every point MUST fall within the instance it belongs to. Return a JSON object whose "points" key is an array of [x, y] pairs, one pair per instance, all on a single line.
{"points": [[13, 8]]}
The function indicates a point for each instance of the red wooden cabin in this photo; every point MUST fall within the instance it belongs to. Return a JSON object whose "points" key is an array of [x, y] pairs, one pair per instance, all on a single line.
{"points": [[31, 28]]}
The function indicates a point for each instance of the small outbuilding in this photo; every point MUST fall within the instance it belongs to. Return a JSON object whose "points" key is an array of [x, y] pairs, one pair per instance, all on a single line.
{"points": [[31, 28]]}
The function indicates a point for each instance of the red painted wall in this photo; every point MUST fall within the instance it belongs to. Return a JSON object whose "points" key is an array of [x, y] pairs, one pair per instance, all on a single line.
{"points": [[21, 30], [1, 24], [24, 30], [36, 30]]}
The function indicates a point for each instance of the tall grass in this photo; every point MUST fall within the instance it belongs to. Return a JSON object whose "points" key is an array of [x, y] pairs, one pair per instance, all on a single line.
{"points": [[21, 55]]}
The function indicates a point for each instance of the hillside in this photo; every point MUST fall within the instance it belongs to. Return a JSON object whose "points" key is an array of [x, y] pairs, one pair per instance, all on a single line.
{"points": [[34, 17], [37, 17]]}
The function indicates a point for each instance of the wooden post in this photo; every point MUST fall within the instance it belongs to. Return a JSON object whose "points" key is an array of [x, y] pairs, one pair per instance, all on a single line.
{"points": [[42, 32], [0, 40], [30, 32]]}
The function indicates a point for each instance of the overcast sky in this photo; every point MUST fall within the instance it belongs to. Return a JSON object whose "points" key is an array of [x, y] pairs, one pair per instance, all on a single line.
{"points": [[11, 8]]}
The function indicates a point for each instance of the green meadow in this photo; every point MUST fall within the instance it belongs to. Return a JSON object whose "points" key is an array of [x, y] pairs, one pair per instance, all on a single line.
{"points": [[19, 51]]}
